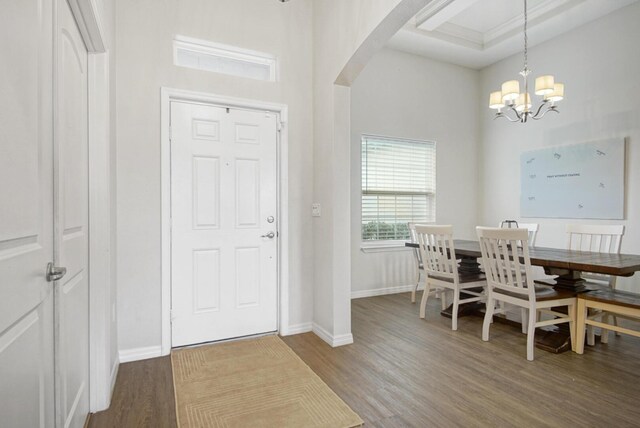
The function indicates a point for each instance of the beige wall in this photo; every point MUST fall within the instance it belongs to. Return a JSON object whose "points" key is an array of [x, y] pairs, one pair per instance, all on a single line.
{"points": [[599, 64], [145, 30], [408, 96]]}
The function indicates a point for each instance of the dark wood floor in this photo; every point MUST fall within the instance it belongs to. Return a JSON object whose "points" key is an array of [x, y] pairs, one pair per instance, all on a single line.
{"points": [[143, 397], [402, 371]]}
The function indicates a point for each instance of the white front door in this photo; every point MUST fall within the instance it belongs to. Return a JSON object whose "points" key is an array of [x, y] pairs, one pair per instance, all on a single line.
{"points": [[71, 214], [26, 215], [224, 225]]}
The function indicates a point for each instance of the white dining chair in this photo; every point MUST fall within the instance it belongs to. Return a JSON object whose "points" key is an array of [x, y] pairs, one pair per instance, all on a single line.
{"points": [[509, 280], [441, 268], [532, 228], [418, 259], [597, 239]]}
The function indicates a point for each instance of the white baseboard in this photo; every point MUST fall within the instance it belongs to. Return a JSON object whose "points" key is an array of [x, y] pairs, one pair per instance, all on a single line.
{"points": [[343, 339], [383, 291], [136, 354], [334, 341], [296, 329]]}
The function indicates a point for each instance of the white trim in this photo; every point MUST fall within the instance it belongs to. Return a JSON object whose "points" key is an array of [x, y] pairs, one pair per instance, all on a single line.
{"points": [[100, 380], [439, 12], [536, 15], [167, 95], [334, 341], [100, 278], [382, 246], [343, 339], [137, 354], [212, 49], [89, 24], [114, 372], [384, 291], [296, 329]]}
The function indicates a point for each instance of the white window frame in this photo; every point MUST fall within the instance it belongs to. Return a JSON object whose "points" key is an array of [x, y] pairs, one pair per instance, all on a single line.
{"points": [[206, 48], [383, 245]]}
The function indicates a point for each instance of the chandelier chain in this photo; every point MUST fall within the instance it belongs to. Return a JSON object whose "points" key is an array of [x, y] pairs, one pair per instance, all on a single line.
{"points": [[526, 39]]}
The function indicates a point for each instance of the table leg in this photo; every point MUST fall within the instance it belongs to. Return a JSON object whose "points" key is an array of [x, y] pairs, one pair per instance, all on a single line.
{"points": [[565, 279], [469, 266]]}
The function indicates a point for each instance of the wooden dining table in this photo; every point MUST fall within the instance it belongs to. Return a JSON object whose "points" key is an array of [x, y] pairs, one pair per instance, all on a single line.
{"points": [[565, 265]]}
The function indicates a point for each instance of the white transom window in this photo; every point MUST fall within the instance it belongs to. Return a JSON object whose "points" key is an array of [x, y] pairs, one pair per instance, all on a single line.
{"points": [[398, 186]]}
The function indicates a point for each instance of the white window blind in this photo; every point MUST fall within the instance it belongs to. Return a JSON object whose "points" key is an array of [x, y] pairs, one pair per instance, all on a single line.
{"points": [[398, 186]]}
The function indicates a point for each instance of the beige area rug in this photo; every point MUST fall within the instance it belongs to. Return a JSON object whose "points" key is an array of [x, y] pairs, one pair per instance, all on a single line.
{"points": [[253, 383]]}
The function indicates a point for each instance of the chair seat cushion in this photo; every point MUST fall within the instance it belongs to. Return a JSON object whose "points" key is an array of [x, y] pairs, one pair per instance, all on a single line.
{"points": [[462, 279], [542, 293]]}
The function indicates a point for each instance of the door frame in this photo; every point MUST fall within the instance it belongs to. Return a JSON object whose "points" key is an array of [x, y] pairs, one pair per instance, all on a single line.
{"points": [[102, 374], [167, 95]]}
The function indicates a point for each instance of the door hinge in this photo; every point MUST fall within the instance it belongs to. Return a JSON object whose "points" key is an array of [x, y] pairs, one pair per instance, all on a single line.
{"points": [[171, 315], [280, 124], [170, 133]]}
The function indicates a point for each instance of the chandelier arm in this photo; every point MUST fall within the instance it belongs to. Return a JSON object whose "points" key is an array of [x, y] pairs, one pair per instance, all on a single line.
{"points": [[506, 116], [552, 108], [518, 115], [544, 103]]}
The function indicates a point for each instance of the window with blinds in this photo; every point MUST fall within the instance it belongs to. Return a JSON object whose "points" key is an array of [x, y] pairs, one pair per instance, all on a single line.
{"points": [[398, 186]]}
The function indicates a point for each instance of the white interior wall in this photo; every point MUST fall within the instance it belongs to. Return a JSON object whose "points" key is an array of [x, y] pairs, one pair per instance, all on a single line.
{"points": [[599, 65], [145, 31], [346, 33], [408, 96]]}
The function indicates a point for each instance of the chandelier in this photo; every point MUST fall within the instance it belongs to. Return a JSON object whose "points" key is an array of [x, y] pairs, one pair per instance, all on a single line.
{"points": [[519, 103]]}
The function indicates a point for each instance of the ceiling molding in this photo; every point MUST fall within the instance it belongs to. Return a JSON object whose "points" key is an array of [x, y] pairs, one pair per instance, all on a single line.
{"points": [[461, 35], [439, 12], [536, 14], [474, 34]]}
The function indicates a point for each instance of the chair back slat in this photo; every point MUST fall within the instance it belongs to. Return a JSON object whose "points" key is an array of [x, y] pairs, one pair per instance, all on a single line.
{"points": [[506, 261], [598, 239], [595, 238], [438, 253], [414, 239], [532, 228]]}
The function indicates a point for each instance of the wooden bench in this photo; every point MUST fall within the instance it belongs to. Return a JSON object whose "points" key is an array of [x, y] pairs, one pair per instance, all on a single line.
{"points": [[607, 302]]}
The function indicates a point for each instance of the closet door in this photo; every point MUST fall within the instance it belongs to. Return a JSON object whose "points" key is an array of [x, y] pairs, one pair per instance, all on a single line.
{"points": [[26, 214]]}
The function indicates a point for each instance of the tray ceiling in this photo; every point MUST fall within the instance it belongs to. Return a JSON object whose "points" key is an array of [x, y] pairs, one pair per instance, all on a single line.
{"points": [[477, 33]]}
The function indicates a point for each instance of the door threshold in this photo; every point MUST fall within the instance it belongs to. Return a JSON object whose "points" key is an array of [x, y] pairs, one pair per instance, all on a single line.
{"points": [[231, 339]]}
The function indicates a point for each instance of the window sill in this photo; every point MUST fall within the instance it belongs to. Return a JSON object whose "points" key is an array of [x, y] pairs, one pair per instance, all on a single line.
{"points": [[383, 246]]}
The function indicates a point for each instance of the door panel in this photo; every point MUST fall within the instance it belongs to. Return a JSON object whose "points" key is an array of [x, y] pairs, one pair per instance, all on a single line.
{"points": [[223, 189], [26, 215], [71, 235]]}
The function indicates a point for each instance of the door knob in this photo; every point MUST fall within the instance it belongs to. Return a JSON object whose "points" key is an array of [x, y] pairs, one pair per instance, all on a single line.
{"points": [[55, 273], [269, 235]]}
